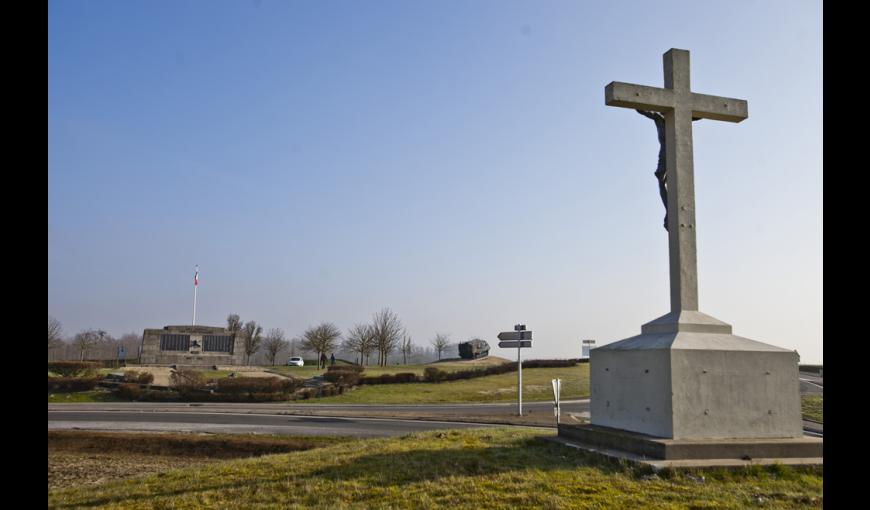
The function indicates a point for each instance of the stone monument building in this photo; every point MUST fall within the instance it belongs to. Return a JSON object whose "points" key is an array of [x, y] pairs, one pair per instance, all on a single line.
{"points": [[192, 345]]}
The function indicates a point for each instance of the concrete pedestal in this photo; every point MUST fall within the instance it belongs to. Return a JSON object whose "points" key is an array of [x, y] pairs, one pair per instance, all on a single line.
{"points": [[641, 446], [686, 377]]}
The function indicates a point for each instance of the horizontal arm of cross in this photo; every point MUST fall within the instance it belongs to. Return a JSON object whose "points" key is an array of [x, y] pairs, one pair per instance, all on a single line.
{"points": [[719, 108], [640, 97]]}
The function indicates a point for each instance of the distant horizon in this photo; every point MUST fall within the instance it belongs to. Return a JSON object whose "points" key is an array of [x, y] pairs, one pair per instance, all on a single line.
{"points": [[453, 162]]}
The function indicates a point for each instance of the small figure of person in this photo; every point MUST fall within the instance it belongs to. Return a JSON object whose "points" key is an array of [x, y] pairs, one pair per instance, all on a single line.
{"points": [[322, 363], [333, 359], [661, 172]]}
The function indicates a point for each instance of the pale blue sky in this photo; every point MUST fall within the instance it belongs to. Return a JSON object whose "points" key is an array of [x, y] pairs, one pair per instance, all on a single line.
{"points": [[454, 161]]}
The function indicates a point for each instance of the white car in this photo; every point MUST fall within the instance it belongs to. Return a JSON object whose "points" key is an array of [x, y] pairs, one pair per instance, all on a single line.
{"points": [[295, 362]]}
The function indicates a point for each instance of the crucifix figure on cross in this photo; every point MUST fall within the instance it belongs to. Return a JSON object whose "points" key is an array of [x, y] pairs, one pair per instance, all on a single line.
{"points": [[661, 172], [678, 106]]}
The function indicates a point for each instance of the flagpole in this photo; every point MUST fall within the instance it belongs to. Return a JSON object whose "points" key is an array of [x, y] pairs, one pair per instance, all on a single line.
{"points": [[195, 285]]}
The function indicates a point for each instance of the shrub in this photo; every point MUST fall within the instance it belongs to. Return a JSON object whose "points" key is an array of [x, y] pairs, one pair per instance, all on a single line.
{"points": [[257, 385], [138, 377], [404, 377], [128, 391], [432, 374], [342, 377], [72, 368], [306, 393], [346, 368], [187, 381], [69, 384]]}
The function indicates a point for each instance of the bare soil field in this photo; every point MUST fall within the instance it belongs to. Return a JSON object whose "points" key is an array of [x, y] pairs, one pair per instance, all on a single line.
{"points": [[77, 469], [84, 458], [162, 374]]}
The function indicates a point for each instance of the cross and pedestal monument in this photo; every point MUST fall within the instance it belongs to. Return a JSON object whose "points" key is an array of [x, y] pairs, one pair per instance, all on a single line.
{"points": [[686, 387]]}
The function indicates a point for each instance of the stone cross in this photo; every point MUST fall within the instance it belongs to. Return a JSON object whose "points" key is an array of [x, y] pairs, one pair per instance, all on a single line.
{"points": [[678, 104]]}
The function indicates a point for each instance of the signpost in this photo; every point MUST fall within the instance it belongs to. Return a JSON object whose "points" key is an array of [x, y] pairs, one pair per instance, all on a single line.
{"points": [[521, 339], [557, 390], [515, 344]]}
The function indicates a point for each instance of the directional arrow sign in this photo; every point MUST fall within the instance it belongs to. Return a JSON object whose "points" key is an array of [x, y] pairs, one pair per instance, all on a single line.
{"points": [[515, 335], [516, 343]]}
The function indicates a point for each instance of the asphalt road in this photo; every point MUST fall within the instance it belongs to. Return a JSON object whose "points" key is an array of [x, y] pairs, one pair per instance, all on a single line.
{"points": [[811, 384], [278, 418], [573, 406], [242, 423]]}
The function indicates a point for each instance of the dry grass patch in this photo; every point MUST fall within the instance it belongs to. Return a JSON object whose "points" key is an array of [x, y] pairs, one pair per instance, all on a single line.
{"points": [[80, 457]]}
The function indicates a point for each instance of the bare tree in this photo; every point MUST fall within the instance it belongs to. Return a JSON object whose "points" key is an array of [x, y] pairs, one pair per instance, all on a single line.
{"points": [[352, 344], [253, 338], [274, 344], [54, 333], [387, 331], [369, 345], [234, 323], [360, 340], [321, 339], [407, 347], [440, 343], [84, 341]]}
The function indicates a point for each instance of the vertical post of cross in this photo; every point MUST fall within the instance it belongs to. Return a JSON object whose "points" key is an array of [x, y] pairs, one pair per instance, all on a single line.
{"points": [[681, 184]]}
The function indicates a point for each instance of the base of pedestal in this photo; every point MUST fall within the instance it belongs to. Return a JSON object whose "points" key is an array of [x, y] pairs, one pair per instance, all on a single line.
{"points": [[686, 377], [605, 439]]}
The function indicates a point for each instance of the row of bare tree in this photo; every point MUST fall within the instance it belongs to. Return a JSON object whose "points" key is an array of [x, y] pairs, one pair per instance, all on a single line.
{"points": [[382, 337], [252, 333], [89, 343]]}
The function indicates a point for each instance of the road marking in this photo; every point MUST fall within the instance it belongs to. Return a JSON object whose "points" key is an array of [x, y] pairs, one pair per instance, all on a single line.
{"points": [[811, 382]]}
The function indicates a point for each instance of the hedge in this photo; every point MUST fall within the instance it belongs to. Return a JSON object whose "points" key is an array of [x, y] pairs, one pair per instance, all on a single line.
{"points": [[432, 374], [257, 385], [68, 384], [405, 377], [345, 368], [71, 368]]}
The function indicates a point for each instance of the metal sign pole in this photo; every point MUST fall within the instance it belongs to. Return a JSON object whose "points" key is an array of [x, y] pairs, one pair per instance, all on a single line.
{"points": [[520, 379], [521, 339]]}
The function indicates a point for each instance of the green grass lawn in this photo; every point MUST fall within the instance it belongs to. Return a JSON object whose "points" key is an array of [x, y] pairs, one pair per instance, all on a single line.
{"points": [[490, 468], [492, 388], [811, 406], [99, 395]]}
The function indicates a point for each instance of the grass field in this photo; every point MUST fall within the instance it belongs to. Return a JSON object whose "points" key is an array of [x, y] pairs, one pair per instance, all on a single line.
{"points": [[811, 406], [371, 370], [469, 469], [99, 395], [492, 388]]}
